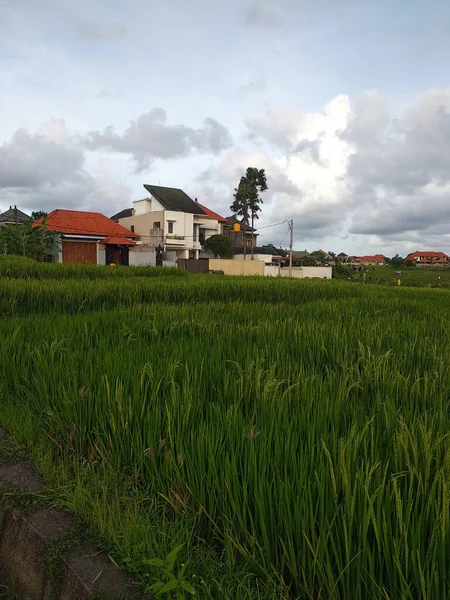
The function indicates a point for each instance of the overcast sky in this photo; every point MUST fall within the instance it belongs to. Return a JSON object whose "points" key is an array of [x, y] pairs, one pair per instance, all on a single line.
{"points": [[345, 104]]}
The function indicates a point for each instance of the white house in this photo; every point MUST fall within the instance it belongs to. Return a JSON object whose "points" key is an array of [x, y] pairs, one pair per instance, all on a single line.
{"points": [[169, 219]]}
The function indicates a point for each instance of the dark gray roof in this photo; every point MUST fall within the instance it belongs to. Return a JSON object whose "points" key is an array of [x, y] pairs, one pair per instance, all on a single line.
{"points": [[126, 212], [174, 199], [233, 219], [299, 254], [14, 215], [269, 250]]}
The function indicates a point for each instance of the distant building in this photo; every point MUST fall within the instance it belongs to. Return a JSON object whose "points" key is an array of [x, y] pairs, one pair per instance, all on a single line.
{"points": [[239, 238], [13, 216], [375, 259], [427, 257]]}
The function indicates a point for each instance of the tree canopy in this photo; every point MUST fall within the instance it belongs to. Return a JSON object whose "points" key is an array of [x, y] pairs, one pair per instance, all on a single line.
{"points": [[220, 246]]}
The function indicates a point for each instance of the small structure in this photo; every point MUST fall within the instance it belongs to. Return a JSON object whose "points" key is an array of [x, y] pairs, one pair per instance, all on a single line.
{"points": [[88, 237], [13, 216]]}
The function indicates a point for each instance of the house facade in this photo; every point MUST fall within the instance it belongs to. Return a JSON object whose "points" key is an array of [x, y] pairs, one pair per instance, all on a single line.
{"points": [[88, 237], [169, 220], [427, 257], [244, 236]]}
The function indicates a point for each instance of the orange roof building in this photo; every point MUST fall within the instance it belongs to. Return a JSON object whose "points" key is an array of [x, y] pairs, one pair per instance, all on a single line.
{"points": [[87, 237], [427, 257]]}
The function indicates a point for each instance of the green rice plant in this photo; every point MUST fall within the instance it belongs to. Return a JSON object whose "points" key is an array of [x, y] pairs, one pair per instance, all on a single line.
{"points": [[291, 435]]}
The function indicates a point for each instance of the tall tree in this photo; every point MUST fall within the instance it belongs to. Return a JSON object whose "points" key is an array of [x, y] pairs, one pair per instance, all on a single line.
{"points": [[247, 200]]}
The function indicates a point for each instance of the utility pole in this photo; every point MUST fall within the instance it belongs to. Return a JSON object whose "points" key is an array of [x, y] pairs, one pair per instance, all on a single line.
{"points": [[291, 227]]}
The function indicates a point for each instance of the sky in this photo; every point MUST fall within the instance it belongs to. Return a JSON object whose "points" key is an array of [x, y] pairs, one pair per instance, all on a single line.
{"points": [[346, 105]]}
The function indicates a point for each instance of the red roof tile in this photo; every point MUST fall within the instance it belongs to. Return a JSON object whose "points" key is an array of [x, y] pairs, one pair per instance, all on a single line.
{"points": [[79, 222], [117, 240], [371, 258], [211, 214]]}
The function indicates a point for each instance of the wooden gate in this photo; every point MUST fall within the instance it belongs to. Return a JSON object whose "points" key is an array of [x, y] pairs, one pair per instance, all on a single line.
{"points": [[192, 265]]}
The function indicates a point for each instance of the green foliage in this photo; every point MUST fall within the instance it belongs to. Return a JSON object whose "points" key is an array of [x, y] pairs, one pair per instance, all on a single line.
{"points": [[314, 456], [26, 240], [170, 584], [38, 214], [220, 246]]}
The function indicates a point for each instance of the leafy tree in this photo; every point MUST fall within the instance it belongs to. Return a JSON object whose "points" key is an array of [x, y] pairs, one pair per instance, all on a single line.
{"points": [[220, 246], [247, 200], [26, 240], [38, 214], [308, 261], [397, 262]]}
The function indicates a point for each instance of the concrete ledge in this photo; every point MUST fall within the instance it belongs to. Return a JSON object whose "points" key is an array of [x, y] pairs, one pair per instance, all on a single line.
{"points": [[45, 553]]}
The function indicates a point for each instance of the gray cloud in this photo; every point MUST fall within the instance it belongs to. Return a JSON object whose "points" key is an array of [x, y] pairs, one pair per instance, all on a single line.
{"points": [[46, 170], [102, 32], [400, 167], [262, 16], [149, 137]]}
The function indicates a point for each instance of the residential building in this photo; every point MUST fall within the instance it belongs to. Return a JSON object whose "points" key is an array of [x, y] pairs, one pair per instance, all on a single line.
{"points": [[211, 223], [427, 257], [169, 220], [375, 259], [342, 257], [88, 237], [13, 216], [239, 238]]}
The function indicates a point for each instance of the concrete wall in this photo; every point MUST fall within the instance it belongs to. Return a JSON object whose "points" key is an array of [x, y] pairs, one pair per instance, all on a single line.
{"points": [[236, 267], [272, 270], [308, 272], [263, 257], [142, 258]]}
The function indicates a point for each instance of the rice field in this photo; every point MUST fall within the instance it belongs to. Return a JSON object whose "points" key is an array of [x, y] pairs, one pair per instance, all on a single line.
{"points": [[292, 435]]}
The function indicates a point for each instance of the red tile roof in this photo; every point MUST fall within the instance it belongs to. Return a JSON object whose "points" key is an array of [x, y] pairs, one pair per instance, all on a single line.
{"points": [[211, 214], [371, 258], [117, 240], [79, 222], [427, 256]]}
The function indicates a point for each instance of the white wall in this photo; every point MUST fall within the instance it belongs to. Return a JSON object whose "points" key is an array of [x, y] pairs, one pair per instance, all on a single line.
{"points": [[142, 258], [267, 258], [101, 254], [272, 270], [308, 272]]}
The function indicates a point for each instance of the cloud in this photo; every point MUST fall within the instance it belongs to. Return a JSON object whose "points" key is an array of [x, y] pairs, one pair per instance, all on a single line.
{"points": [[254, 85], [149, 137], [102, 32], [103, 93], [262, 16], [46, 170]]}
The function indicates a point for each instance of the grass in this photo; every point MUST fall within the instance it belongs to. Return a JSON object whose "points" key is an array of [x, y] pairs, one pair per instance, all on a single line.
{"points": [[410, 277], [292, 435]]}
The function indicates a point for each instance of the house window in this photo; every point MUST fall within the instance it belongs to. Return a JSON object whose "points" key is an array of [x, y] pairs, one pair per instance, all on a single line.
{"points": [[170, 227], [132, 228], [156, 225]]}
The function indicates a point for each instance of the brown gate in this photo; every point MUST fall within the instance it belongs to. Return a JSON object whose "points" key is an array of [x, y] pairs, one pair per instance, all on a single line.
{"points": [[79, 252], [192, 265]]}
